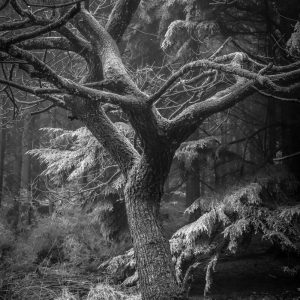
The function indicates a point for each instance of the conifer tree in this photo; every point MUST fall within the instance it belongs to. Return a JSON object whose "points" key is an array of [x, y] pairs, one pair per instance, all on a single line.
{"points": [[91, 93]]}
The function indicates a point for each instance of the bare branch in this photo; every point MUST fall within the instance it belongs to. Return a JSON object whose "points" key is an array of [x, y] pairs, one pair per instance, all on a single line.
{"points": [[219, 50], [297, 100], [22, 12], [207, 64], [4, 4], [185, 123], [78, 42], [120, 18], [286, 76], [113, 67], [287, 156], [54, 25], [53, 6], [15, 25], [43, 110], [40, 92], [34, 91], [48, 43], [119, 147], [69, 86]]}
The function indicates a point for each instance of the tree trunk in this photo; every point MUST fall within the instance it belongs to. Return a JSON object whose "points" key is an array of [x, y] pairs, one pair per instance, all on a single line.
{"points": [[17, 163], [25, 169], [193, 183], [2, 158], [2, 150], [192, 190], [143, 192], [192, 187], [291, 137]]}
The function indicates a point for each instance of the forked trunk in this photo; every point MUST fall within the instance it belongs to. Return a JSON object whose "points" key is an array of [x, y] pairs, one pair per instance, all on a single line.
{"points": [[152, 250]]}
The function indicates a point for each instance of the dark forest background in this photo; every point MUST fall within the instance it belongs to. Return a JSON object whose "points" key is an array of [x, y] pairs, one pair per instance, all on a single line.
{"points": [[231, 201]]}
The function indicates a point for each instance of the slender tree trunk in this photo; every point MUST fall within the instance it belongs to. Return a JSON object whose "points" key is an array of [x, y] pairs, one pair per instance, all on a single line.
{"points": [[291, 138], [2, 158], [16, 139], [193, 183], [25, 168], [35, 169], [2, 150], [192, 190], [143, 192]]}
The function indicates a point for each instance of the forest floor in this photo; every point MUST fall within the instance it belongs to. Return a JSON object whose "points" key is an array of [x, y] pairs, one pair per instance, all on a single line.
{"points": [[251, 286], [282, 291], [62, 284]]}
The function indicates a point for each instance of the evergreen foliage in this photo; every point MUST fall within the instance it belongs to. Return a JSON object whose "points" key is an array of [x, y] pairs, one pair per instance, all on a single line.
{"points": [[72, 157], [293, 43], [263, 206], [191, 150]]}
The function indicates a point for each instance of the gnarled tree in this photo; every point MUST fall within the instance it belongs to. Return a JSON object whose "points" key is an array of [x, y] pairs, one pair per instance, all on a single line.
{"points": [[108, 86]]}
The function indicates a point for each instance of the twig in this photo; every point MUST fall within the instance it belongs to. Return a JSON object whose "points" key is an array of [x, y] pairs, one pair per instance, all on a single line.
{"points": [[53, 6], [54, 25], [287, 156], [43, 110]]}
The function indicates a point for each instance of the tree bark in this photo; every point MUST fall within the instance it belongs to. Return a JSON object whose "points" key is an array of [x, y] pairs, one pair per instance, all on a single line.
{"points": [[143, 192]]}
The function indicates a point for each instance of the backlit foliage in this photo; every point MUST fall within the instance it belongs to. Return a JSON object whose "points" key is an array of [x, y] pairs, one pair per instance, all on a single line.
{"points": [[188, 151], [264, 206], [69, 155], [294, 42], [82, 174]]}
